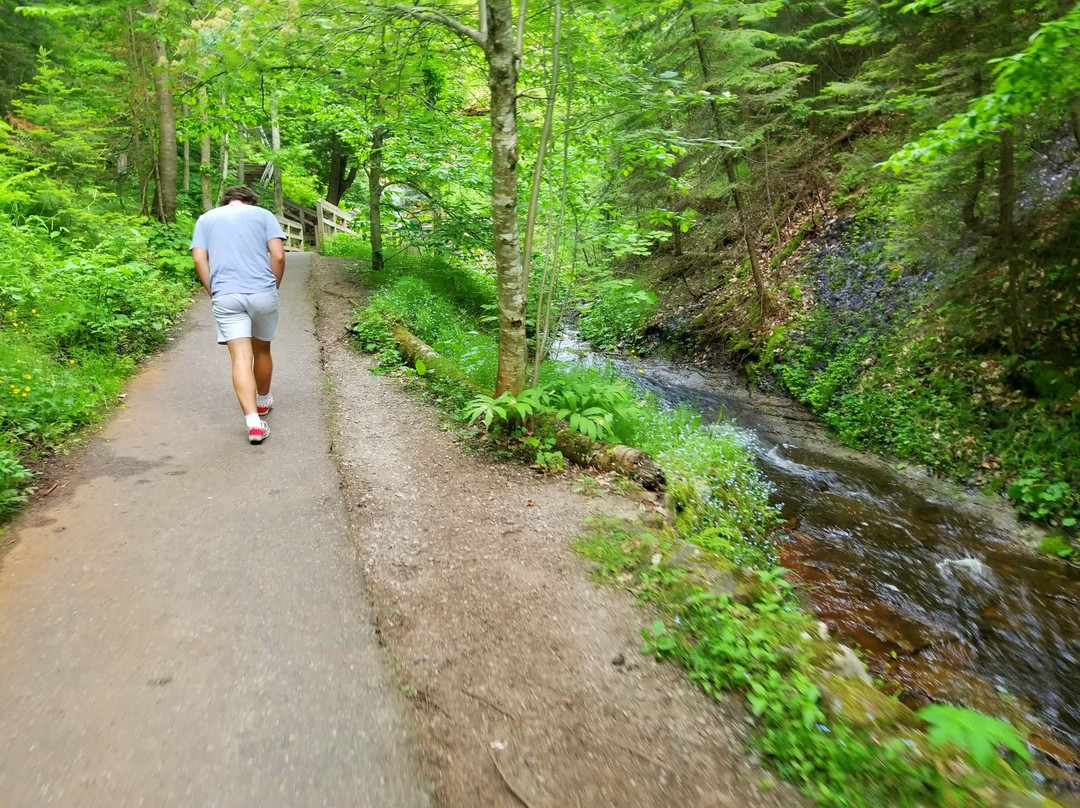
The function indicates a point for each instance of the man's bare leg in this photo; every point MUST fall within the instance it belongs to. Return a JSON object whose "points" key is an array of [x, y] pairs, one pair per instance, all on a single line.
{"points": [[243, 373], [264, 365]]}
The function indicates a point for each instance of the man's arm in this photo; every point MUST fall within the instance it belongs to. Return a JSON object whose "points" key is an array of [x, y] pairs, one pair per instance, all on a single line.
{"points": [[277, 259], [202, 266]]}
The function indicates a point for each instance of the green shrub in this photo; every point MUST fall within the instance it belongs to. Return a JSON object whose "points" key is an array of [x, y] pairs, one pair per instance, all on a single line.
{"points": [[614, 312], [346, 245], [76, 314]]}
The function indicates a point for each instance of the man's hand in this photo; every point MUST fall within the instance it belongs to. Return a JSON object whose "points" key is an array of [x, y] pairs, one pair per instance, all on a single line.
{"points": [[276, 247], [202, 266]]}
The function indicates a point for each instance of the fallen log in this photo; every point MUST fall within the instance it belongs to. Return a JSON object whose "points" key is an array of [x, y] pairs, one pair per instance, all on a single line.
{"points": [[634, 463], [413, 348], [575, 447]]}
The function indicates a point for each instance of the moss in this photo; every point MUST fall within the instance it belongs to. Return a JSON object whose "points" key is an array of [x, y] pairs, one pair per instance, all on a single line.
{"points": [[1057, 545], [860, 703]]}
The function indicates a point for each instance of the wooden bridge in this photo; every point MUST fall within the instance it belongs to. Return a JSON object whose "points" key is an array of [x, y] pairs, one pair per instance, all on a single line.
{"points": [[304, 227]]}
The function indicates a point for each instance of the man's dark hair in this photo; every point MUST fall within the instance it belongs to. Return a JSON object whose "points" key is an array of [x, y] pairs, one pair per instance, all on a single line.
{"points": [[240, 192]]}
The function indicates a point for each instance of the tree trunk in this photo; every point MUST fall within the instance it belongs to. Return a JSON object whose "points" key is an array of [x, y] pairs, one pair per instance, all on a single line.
{"points": [[275, 144], [496, 36], [541, 149], [224, 157], [166, 119], [375, 190], [241, 166], [340, 182], [503, 69], [731, 170], [1007, 235], [138, 91], [140, 164], [333, 186], [185, 112], [204, 151], [969, 210], [1074, 111]]}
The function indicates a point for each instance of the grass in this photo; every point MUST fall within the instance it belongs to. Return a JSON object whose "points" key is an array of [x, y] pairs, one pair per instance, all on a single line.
{"points": [[75, 319]]}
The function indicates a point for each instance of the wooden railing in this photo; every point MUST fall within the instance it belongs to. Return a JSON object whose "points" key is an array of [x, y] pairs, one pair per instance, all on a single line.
{"points": [[294, 234], [330, 219]]}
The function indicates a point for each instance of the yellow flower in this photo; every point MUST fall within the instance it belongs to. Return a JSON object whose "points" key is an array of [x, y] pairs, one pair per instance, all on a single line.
{"points": [[29, 376], [24, 395], [71, 361], [33, 311], [27, 389]]}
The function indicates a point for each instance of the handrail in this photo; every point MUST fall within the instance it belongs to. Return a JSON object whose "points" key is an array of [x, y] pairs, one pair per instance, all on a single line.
{"points": [[294, 234], [330, 219]]}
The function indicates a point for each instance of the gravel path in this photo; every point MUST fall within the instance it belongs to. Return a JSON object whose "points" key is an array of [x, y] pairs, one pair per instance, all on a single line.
{"points": [[527, 681], [183, 621]]}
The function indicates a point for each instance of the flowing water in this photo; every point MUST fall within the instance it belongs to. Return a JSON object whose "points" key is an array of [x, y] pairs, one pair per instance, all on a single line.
{"points": [[940, 591]]}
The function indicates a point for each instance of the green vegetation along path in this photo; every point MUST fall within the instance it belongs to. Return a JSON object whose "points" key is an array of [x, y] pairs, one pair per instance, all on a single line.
{"points": [[183, 621]]}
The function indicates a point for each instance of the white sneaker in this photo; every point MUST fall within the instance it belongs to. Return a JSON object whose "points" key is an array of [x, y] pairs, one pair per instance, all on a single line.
{"points": [[257, 434]]}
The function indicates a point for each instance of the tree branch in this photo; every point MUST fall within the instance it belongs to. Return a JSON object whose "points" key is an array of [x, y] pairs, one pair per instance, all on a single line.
{"points": [[424, 14]]}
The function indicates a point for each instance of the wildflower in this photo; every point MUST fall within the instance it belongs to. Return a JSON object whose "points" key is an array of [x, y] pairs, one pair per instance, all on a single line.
{"points": [[27, 389], [33, 311], [29, 376], [24, 395], [71, 361]]}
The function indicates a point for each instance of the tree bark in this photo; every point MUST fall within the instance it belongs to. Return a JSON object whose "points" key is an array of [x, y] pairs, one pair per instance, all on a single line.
{"points": [[541, 149], [185, 113], [730, 168], [224, 156], [1074, 112], [339, 182], [969, 210], [333, 185], [275, 144], [496, 36], [138, 90], [204, 151], [375, 189], [241, 166], [503, 67], [166, 119]]}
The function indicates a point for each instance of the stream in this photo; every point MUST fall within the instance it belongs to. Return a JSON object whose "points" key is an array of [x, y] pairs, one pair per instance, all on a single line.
{"points": [[941, 590]]}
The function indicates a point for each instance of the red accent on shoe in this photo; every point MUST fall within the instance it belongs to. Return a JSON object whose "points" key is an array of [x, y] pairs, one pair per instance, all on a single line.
{"points": [[258, 434]]}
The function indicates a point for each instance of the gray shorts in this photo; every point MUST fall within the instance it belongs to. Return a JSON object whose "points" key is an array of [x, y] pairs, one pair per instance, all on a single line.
{"points": [[239, 316]]}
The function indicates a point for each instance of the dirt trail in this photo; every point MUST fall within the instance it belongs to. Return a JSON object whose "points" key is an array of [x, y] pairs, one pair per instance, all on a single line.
{"points": [[525, 676]]}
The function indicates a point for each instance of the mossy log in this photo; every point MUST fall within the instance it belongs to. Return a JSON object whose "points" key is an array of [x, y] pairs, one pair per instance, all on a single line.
{"points": [[634, 463], [575, 447], [413, 348]]}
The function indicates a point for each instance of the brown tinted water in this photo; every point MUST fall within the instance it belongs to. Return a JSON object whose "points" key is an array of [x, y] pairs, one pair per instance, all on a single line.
{"points": [[939, 589]]}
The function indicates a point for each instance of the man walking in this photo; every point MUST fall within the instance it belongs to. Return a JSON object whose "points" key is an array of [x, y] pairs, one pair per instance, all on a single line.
{"points": [[239, 252]]}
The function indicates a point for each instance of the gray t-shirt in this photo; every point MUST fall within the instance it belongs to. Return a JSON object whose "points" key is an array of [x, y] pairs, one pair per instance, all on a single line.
{"points": [[235, 236]]}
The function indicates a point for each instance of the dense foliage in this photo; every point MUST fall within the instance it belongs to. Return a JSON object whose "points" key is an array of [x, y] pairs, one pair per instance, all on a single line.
{"points": [[86, 288]]}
